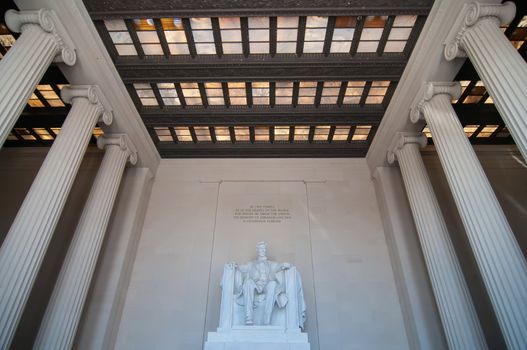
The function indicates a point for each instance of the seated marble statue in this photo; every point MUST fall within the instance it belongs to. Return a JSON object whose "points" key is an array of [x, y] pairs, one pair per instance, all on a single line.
{"points": [[263, 283], [260, 301]]}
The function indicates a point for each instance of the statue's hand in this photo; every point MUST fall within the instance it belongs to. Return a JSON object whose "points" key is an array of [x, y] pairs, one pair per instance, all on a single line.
{"points": [[286, 266], [232, 265]]}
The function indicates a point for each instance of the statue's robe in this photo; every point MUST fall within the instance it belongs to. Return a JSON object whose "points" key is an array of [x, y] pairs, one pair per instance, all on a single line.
{"points": [[250, 271]]}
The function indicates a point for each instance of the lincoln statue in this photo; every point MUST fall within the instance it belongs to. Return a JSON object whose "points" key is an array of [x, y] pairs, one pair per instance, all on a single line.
{"points": [[260, 300], [260, 285]]}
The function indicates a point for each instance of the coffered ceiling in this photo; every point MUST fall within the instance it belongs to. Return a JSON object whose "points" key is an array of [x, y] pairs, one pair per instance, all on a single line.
{"points": [[263, 78]]}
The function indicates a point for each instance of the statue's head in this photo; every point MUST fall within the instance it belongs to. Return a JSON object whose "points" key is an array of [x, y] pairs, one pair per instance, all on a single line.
{"points": [[261, 249]]}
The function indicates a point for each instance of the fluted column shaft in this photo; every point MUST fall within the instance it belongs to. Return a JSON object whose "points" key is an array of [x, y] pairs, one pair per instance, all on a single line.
{"points": [[27, 240], [501, 262], [503, 71], [458, 316], [63, 313], [26, 62]]}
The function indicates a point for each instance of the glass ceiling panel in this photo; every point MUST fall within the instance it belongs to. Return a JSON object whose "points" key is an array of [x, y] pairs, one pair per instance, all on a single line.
{"points": [[260, 91], [40, 135], [301, 133], [264, 133], [259, 35], [321, 133], [242, 133], [342, 133], [229, 35], [146, 94], [315, 34], [261, 134], [284, 93], [146, 33], [330, 92], [46, 95], [371, 33], [286, 34], [281, 133], [400, 33], [263, 93], [120, 37], [175, 35], [487, 131], [203, 36], [202, 133], [343, 34], [222, 133]]}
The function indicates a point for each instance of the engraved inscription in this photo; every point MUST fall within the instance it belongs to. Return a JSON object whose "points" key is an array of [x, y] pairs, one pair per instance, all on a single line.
{"points": [[262, 213]]}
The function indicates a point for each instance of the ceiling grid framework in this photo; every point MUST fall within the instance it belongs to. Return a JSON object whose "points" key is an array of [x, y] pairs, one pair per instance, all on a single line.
{"points": [[280, 79], [271, 79]]}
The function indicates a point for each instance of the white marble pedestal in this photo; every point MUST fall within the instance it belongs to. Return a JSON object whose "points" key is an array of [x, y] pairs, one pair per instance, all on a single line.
{"points": [[256, 338]]}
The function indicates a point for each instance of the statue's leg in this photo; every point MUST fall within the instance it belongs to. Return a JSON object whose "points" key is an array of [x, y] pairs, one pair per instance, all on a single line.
{"points": [[270, 291], [248, 294]]}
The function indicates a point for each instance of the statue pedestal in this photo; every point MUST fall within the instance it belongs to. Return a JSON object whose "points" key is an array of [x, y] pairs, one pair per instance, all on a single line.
{"points": [[256, 338]]}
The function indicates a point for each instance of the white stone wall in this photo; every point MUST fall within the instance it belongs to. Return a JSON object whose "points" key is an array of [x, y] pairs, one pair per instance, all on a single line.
{"points": [[339, 246], [18, 168]]}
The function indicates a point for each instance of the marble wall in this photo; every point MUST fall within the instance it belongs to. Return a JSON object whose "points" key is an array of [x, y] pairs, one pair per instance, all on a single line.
{"points": [[18, 168], [335, 236], [170, 300]]}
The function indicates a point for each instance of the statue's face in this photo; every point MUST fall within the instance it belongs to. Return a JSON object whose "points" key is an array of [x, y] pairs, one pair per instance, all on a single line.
{"points": [[261, 250]]}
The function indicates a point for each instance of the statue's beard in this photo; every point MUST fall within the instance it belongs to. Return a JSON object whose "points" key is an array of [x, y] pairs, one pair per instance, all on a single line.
{"points": [[262, 258]]}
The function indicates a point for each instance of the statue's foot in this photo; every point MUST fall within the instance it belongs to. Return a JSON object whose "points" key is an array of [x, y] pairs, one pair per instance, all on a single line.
{"points": [[249, 322]]}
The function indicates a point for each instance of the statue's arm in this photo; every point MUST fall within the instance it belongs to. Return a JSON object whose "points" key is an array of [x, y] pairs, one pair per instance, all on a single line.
{"points": [[245, 268], [232, 265], [238, 281], [239, 273], [280, 267], [285, 266]]}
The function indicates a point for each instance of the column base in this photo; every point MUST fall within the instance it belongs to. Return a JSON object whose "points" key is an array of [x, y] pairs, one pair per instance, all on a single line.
{"points": [[256, 338]]}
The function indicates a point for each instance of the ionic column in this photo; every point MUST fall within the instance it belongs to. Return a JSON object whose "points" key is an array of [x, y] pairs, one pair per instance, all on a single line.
{"points": [[43, 39], [458, 316], [63, 313], [477, 35], [26, 242], [500, 260]]}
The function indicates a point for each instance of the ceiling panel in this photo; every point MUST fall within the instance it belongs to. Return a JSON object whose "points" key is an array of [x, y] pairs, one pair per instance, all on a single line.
{"points": [[282, 78]]}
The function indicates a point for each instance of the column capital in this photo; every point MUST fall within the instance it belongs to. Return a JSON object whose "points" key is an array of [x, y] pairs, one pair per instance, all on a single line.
{"points": [[470, 15], [93, 94], [121, 140], [49, 22], [428, 91], [402, 138]]}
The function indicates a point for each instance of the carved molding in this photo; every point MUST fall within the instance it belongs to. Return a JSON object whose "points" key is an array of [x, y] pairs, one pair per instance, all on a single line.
{"points": [[468, 17], [232, 69], [429, 90], [50, 23], [402, 138], [211, 8], [93, 94], [121, 140]]}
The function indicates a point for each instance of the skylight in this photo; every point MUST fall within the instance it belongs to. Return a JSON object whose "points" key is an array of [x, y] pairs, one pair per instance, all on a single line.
{"points": [[263, 93], [264, 134], [260, 35]]}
